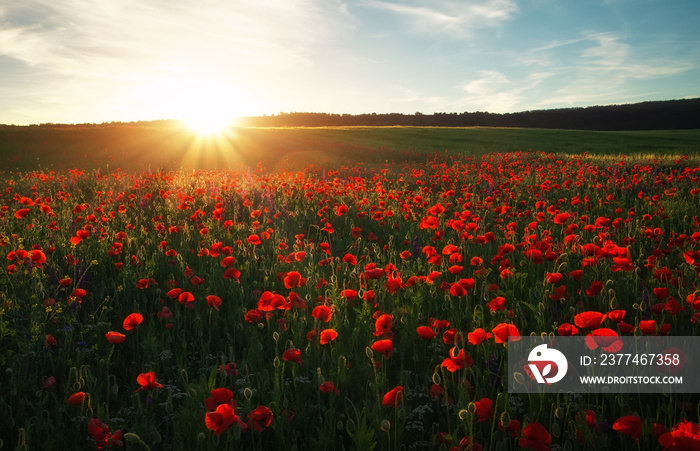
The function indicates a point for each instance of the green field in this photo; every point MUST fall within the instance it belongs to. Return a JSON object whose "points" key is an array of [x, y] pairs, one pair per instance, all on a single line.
{"points": [[356, 290], [139, 147]]}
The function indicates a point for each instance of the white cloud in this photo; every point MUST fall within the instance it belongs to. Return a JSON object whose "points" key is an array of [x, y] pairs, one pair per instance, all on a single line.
{"points": [[453, 18], [118, 49], [601, 71]]}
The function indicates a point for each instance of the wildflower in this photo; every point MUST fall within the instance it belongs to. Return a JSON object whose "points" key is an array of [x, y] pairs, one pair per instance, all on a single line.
{"points": [[425, 332], [503, 333], [261, 416], [535, 436], [213, 301], [76, 398], [322, 313], [292, 355], [132, 321], [392, 397], [629, 425], [327, 335], [147, 381], [328, 387], [115, 337], [219, 420], [383, 347], [219, 396]]}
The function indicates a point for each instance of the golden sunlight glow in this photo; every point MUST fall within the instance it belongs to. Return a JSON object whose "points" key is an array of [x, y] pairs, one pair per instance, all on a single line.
{"points": [[208, 121], [204, 105]]}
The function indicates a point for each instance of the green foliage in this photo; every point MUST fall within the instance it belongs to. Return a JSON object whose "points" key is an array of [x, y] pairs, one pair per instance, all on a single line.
{"points": [[147, 234]]}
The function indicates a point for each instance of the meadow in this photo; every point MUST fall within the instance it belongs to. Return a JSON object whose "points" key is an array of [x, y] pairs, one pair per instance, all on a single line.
{"points": [[336, 288]]}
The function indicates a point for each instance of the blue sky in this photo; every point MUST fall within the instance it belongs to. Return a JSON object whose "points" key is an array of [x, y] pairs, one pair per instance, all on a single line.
{"points": [[74, 61]]}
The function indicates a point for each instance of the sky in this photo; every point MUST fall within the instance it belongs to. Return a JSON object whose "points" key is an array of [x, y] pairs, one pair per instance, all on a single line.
{"points": [[93, 61]]}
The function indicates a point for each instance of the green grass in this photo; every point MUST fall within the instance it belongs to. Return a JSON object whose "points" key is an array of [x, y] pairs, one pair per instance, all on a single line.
{"points": [[138, 147], [144, 216]]}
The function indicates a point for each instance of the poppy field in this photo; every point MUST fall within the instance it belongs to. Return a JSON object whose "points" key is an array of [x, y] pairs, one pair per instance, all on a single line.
{"points": [[359, 306]]}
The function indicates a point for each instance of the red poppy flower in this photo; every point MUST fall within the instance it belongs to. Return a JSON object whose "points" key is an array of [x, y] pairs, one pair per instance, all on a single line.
{"points": [[254, 240], [467, 284], [683, 436], [425, 332], [327, 335], [567, 330], [164, 313], [50, 341], [76, 398], [261, 416], [213, 301], [115, 337], [553, 277], [132, 321], [457, 290], [373, 273], [328, 387], [22, 213], [295, 301], [232, 273], [292, 279], [38, 257], [478, 336], [269, 301], [513, 428], [227, 262], [616, 315], [457, 362], [497, 304], [629, 425], [503, 333], [383, 347], [455, 269], [383, 324], [576, 274], [595, 288], [219, 420], [392, 397], [451, 336], [647, 327], [604, 338], [147, 381], [174, 293], [322, 313], [292, 355], [536, 437], [186, 298], [484, 409], [589, 320], [349, 294], [219, 396], [393, 283], [661, 293], [349, 258], [561, 218]]}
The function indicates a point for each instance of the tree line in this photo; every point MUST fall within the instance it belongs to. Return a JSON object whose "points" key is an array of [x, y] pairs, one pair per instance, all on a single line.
{"points": [[657, 115]]}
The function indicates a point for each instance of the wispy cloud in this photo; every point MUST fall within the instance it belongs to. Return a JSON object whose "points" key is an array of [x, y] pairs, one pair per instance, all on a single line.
{"points": [[124, 46], [601, 67], [452, 18], [490, 91]]}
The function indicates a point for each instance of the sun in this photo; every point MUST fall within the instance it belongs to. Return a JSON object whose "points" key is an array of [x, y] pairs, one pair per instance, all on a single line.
{"points": [[204, 104], [210, 108], [208, 121]]}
